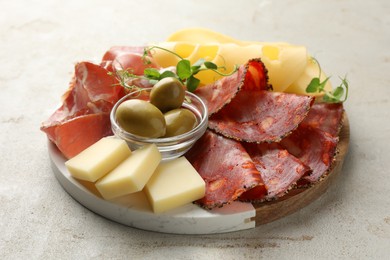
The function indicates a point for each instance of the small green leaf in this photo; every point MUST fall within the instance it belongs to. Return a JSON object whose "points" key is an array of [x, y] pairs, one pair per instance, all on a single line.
{"points": [[192, 83], [195, 69], [313, 86], [152, 73], [167, 74], [338, 93], [210, 65], [183, 69]]}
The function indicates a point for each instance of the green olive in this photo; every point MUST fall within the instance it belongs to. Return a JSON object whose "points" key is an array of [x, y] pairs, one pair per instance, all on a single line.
{"points": [[167, 94], [141, 118], [179, 121]]}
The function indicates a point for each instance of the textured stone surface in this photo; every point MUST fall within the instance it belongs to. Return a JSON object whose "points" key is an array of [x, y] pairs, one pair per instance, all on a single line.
{"points": [[41, 41]]}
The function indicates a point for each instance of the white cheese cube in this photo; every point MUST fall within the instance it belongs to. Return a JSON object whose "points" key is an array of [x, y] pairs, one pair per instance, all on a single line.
{"points": [[173, 184], [132, 174], [98, 159]]}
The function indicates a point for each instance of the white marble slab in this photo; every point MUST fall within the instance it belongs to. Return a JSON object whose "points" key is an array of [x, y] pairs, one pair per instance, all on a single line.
{"points": [[134, 210]]}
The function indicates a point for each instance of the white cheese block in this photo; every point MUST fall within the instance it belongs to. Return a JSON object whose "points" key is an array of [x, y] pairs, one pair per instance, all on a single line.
{"points": [[173, 184], [132, 174], [98, 159]]}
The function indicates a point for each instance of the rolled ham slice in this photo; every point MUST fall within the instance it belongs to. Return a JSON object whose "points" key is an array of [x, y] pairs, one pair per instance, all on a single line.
{"points": [[226, 168]]}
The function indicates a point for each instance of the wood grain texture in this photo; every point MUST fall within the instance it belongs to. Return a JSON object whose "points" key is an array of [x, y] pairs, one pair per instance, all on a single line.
{"points": [[296, 199]]}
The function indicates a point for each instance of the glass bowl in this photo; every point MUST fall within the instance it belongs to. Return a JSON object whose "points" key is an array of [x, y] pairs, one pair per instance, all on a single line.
{"points": [[169, 147]]}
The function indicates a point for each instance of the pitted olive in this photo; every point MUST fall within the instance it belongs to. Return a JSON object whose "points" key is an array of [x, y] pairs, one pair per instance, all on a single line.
{"points": [[141, 118], [179, 121], [167, 94]]}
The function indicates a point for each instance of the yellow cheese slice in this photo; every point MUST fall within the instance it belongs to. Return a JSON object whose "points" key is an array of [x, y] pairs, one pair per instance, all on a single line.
{"points": [[285, 63], [173, 184], [132, 174], [98, 159], [311, 71]]}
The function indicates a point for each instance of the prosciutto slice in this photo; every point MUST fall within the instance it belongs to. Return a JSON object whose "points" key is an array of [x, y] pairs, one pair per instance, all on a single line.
{"points": [[226, 168], [83, 118], [261, 116], [127, 58], [314, 148], [278, 168]]}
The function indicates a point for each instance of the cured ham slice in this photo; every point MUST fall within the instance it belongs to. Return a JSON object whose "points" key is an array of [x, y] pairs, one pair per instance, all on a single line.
{"points": [[127, 58], [116, 51], [278, 168], [226, 168], [83, 117], [313, 147], [252, 76], [326, 117], [261, 116]]}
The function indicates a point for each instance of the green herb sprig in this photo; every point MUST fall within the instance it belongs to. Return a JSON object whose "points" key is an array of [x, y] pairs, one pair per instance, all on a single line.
{"points": [[124, 76], [334, 96], [185, 72]]}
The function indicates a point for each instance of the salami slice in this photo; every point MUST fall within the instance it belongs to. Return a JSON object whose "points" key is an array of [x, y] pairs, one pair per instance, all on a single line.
{"points": [[226, 168], [261, 116], [315, 148], [256, 77], [278, 168], [221, 92], [252, 76], [326, 116]]}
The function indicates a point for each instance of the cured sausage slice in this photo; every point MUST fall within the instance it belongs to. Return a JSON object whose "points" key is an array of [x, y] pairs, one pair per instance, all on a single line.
{"points": [[86, 105], [226, 168], [313, 147], [256, 77], [278, 168], [326, 116], [252, 76], [261, 116], [221, 92]]}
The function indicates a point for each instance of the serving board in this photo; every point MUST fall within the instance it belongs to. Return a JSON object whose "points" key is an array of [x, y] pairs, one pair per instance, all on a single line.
{"points": [[134, 210]]}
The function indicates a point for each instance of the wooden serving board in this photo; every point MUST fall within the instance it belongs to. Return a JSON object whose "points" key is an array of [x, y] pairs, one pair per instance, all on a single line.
{"points": [[297, 199], [134, 210]]}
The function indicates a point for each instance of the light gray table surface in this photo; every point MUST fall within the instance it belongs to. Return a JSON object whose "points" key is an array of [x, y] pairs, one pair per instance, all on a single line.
{"points": [[40, 41]]}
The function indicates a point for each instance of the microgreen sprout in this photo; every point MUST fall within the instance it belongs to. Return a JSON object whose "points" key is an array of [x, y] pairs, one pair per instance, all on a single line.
{"points": [[185, 72], [334, 96]]}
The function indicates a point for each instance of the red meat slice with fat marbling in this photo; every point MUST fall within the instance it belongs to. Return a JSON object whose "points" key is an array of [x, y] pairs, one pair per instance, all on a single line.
{"points": [[261, 116], [315, 148], [226, 168], [83, 118], [278, 168]]}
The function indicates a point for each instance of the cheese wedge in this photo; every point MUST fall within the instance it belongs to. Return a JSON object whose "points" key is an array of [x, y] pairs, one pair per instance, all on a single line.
{"points": [[98, 159], [173, 184], [132, 174]]}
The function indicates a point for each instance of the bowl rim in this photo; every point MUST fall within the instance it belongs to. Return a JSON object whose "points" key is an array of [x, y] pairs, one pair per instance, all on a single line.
{"points": [[118, 130]]}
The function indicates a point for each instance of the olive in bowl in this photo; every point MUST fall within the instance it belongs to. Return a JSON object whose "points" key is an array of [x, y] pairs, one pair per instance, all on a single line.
{"points": [[141, 118], [170, 147], [167, 94]]}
